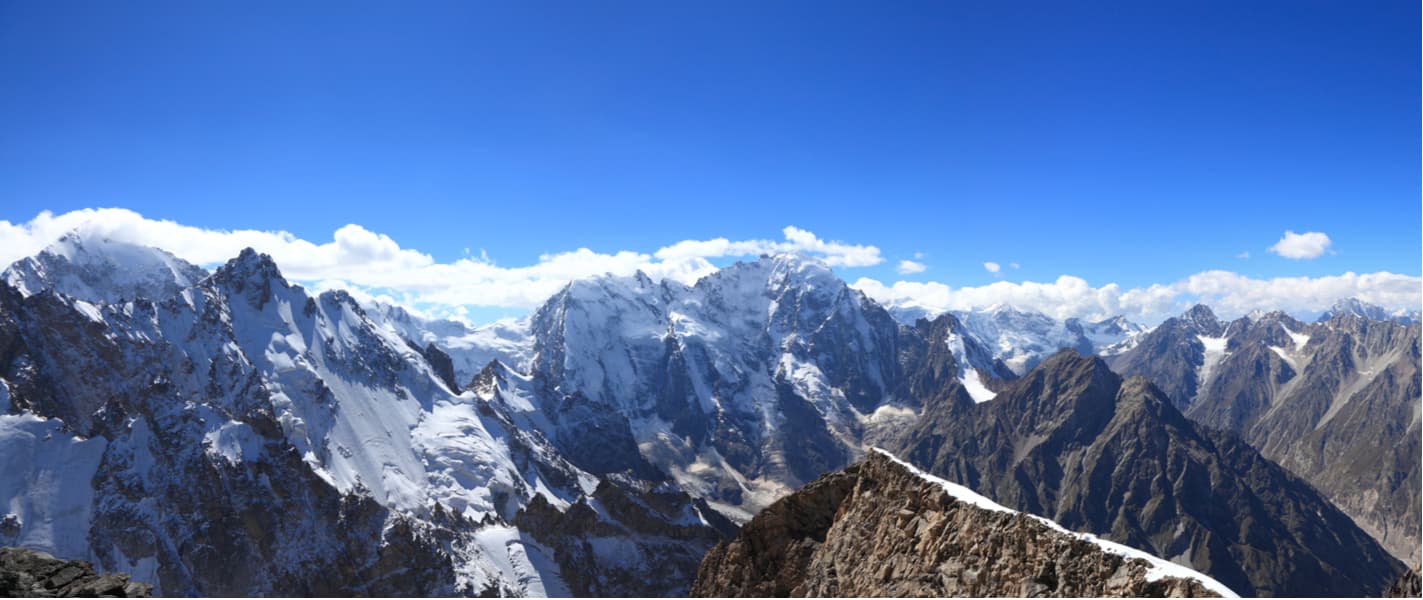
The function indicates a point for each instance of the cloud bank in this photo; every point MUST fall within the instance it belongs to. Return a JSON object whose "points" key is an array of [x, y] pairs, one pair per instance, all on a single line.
{"points": [[373, 264], [1229, 294], [360, 258]]}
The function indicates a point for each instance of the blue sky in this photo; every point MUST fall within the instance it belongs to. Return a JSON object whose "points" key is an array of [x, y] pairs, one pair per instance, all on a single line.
{"points": [[1130, 142]]}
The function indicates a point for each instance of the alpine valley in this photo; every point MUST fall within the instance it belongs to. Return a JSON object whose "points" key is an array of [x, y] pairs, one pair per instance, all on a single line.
{"points": [[229, 433]]}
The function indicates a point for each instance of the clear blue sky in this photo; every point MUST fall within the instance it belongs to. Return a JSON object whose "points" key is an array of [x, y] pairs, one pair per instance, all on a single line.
{"points": [[1135, 142]]}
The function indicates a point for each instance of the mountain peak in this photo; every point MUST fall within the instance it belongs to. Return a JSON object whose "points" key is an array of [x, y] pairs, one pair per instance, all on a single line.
{"points": [[102, 270], [251, 274]]}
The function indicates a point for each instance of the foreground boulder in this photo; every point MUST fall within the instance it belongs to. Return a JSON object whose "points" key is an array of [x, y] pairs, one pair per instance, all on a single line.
{"points": [[27, 573], [882, 528]]}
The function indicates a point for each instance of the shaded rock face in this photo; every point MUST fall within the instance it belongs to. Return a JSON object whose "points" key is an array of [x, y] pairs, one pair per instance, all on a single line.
{"points": [[624, 542], [1073, 442], [1336, 402], [27, 573], [878, 529]]}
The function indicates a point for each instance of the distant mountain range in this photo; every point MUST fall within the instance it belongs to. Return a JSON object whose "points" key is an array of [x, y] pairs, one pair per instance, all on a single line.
{"points": [[229, 433]]}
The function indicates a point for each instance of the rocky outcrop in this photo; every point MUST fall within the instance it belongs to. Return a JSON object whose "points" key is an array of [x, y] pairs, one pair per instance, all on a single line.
{"points": [[1408, 585], [1074, 442], [879, 528], [28, 573]]}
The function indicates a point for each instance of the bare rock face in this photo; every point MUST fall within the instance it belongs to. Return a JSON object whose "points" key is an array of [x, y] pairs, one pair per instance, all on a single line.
{"points": [[27, 573], [877, 528], [1408, 585]]}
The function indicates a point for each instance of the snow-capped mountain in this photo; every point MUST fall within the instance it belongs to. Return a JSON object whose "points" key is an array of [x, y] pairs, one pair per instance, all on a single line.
{"points": [[1021, 339], [1355, 306], [100, 271], [241, 437], [165, 421], [742, 387]]}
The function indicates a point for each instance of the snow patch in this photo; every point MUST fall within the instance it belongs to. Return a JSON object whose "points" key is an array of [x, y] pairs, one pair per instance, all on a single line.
{"points": [[968, 375], [1214, 354], [889, 412], [1299, 339], [1285, 356], [234, 442], [976, 390]]}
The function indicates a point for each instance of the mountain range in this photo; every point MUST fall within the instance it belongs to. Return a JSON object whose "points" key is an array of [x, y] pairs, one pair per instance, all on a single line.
{"points": [[160, 419]]}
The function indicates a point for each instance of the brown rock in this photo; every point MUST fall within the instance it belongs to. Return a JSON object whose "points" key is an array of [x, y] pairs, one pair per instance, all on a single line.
{"points": [[877, 529]]}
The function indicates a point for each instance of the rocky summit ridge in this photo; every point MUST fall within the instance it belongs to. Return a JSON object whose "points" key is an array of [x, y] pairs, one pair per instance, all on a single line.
{"points": [[881, 527]]}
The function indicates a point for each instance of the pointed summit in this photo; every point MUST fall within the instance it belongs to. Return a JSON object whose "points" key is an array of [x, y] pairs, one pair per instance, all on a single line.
{"points": [[252, 275], [1202, 319]]}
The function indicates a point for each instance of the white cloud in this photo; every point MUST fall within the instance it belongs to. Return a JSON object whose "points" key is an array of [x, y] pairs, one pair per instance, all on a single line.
{"points": [[909, 267], [359, 258], [992, 267], [1230, 294], [835, 254], [373, 264], [1243, 255], [1013, 265], [1310, 244]]}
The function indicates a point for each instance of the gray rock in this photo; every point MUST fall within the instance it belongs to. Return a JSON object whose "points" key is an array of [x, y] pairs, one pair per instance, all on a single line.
{"points": [[29, 573]]}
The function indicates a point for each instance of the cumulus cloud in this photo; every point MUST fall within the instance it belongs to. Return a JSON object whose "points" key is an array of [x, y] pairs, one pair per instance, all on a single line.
{"points": [[1310, 244], [992, 267], [356, 258], [374, 266], [909, 267], [1230, 294]]}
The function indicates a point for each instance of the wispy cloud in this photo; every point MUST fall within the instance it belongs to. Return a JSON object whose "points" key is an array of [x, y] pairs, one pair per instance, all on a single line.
{"points": [[992, 267], [1299, 246], [909, 267]]}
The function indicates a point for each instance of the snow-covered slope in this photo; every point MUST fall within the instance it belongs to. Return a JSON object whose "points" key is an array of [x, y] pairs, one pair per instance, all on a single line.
{"points": [[100, 270]]}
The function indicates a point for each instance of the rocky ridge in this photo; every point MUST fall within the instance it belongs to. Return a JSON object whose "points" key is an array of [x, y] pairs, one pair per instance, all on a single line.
{"points": [[882, 528]]}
